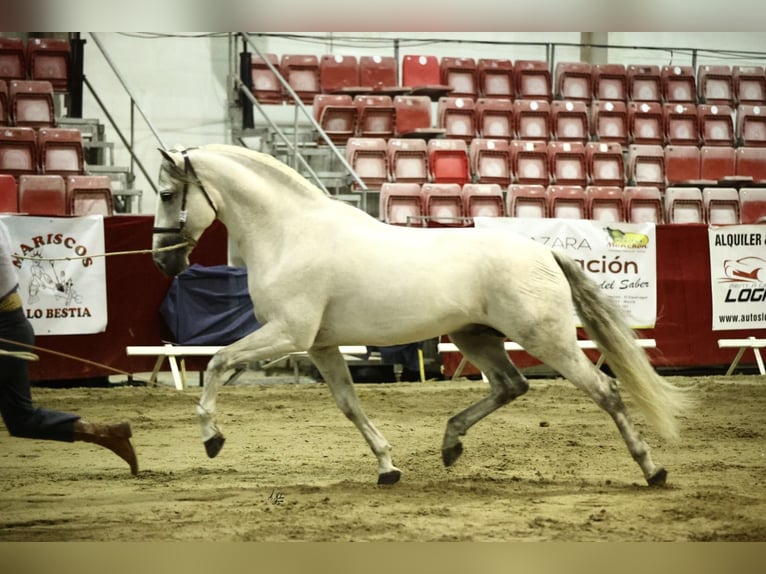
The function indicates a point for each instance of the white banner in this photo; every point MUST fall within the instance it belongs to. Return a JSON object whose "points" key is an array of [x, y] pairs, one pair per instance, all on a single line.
{"points": [[621, 257], [61, 297], [738, 276]]}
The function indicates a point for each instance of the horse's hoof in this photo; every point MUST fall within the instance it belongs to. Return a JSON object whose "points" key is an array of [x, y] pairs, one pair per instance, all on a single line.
{"points": [[658, 478], [214, 444], [450, 455], [390, 477]]}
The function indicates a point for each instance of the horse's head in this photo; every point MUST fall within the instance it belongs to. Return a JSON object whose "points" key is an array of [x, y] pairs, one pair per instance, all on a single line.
{"points": [[184, 210]]}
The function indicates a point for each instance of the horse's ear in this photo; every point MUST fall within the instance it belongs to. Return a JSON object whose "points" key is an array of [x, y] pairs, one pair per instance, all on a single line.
{"points": [[166, 155]]}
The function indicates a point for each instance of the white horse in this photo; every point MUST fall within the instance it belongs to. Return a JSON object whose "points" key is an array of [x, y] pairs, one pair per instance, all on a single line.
{"points": [[323, 274]]}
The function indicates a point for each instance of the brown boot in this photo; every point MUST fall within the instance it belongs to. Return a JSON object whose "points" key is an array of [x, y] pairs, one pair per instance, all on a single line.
{"points": [[114, 437]]}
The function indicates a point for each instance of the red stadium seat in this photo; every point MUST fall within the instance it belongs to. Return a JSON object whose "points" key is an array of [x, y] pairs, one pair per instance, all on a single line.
{"points": [[379, 74], [18, 151], [752, 204], [566, 161], [716, 124], [457, 117], [644, 83], [490, 161], [31, 103], [646, 123], [749, 85], [496, 78], [42, 195], [569, 121], [526, 201], [48, 60], [444, 205], [339, 74], [684, 205], [302, 74], [715, 85], [369, 159], [60, 151], [566, 201], [336, 114], [461, 75], [717, 163], [679, 84], [413, 117], [483, 200], [89, 195], [402, 204], [448, 161], [573, 81], [681, 124], [408, 160], [604, 203], [494, 118], [751, 125], [751, 162], [643, 204], [609, 122], [610, 82], [533, 80], [376, 116], [721, 205], [532, 120], [529, 163], [646, 166], [682, 164], [422, 75], [13, 59], [9, 194], [605, 164], [267, 89]]}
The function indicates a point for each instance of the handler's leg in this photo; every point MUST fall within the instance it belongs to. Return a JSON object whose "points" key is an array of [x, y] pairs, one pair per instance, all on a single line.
{"points": [[336, 374]]}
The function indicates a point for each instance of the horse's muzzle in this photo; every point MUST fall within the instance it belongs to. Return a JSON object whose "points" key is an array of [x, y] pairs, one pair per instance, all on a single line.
{"points": [[174, 261]]}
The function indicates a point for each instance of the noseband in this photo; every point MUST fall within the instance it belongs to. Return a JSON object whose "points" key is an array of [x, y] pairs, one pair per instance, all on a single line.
{"points": [[188, 170]]}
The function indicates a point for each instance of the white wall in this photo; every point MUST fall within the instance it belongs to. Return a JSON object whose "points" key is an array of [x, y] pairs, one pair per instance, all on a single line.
{"points": [[181, 81]]}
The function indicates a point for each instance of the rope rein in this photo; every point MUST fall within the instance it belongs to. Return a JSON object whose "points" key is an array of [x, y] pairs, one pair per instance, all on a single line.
{"points": [[186, 243]]}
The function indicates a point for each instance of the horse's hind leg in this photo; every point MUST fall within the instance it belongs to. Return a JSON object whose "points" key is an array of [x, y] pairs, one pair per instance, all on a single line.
{"points": [[484, 348], [336, 374]]}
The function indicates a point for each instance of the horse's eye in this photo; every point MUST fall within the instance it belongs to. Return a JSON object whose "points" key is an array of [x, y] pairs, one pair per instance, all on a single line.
{"points": [[166, 196]]}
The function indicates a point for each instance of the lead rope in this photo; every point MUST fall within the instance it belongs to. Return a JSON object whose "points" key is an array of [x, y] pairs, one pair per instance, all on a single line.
{"points": [[186, 243]]}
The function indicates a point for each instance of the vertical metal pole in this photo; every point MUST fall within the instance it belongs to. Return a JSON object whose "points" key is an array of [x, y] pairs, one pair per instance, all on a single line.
{"points": [[246, 75], [75, 80]]}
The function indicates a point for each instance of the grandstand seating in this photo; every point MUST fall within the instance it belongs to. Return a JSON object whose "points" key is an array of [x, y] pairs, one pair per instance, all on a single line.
{"points": [[604, 203], [715, 85], [413, 117], [9, 194], [301, 71], [566, 201], [646, 123], [490, 161], [716, 124], [402, 204], [48, 60], [717, 162], [566, 162], [532, 119], [529, 162], [18, 151], [495, 76], [60, 151], [5, 117], [684, 205], [89, 195], [644, 83], [379, 74], [42, 195], [610, 82], [457, 117], [573, 81], [267, 89], [750, 162], [448, 161], [339, 74], [569, 121], [494, 118], [483, 200], [752, 204], [646, 166], [681, 124], [369, 159], [13, 59], [31, 103], [605, 164], [643, 204], [443, 205], [461, 75], [721, 205], [533, 80], [422, 74], [751, 125], [337, 115], [749, 85], [679, 84], [609, 122], [376, 116], [682, 164], [408, 160], [526, 201]]}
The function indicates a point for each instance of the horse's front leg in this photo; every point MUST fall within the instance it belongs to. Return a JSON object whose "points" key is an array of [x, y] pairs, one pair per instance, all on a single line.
{"points": [[267, 342], [336, 374]]}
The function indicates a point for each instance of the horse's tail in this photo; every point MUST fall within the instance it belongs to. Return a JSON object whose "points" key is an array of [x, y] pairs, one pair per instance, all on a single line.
{"points": [[602, 319]]}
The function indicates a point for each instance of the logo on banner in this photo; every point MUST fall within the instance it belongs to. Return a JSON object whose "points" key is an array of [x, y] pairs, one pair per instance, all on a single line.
{"points": [[626, 239]]}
